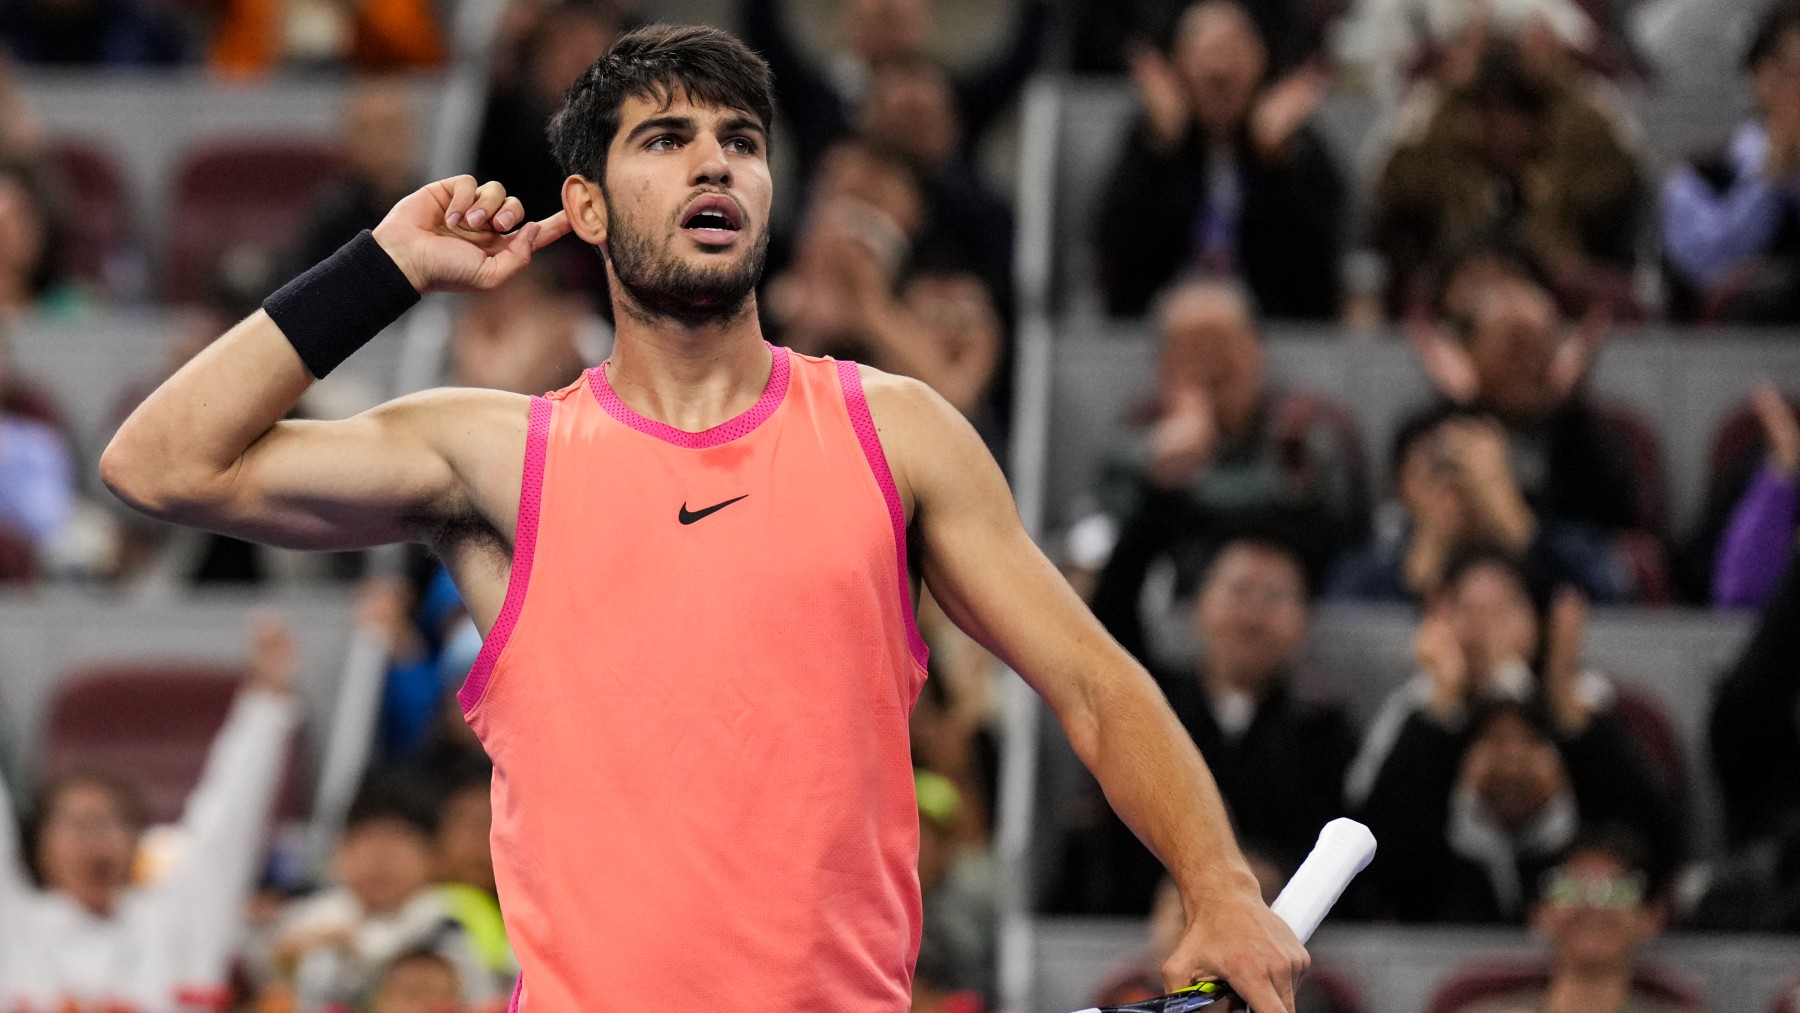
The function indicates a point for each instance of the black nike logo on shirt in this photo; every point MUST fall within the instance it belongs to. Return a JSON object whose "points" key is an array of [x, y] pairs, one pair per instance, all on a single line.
{"points": [[690, 516]]}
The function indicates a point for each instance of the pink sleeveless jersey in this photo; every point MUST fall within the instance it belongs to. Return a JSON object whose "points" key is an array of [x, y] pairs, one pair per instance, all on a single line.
{"points": [[696, 699]]}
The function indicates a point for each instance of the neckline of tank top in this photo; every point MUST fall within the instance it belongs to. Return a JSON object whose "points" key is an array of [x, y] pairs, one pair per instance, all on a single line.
{"points": [[742, 425]]}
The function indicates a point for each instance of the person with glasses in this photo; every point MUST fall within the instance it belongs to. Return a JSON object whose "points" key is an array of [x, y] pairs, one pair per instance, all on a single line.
{"points": [[1597, 908], [1277, 753]]}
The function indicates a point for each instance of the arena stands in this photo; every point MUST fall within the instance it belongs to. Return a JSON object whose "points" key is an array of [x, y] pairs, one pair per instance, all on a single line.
{"points": [[169, 168]]}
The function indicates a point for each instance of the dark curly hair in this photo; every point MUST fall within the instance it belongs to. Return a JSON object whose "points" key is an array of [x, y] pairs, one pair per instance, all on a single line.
{"points": [[709, 66]]}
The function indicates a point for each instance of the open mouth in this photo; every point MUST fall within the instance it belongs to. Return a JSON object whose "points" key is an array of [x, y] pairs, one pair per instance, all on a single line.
{"points": [[713, 220]]}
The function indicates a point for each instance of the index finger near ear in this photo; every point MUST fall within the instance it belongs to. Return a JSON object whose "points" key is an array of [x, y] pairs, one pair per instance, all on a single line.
{"points": [[551, 229]]}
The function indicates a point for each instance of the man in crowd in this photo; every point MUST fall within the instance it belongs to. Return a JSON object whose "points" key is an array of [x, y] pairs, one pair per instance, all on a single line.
{"points": [[1226, 448], [1455, 490], [820, 102], [1478, 772], [1597, 908], [1515, 358], [1223, 176], [1731, 219], [870, 281], [1278, 756], [664, 142], [911, 107], [1515, 143]]}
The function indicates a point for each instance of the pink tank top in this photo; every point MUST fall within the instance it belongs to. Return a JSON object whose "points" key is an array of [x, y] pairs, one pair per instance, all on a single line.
{"points": [[696, 699]]}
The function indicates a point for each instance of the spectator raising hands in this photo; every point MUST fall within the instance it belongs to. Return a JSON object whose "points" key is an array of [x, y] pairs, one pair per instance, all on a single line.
{"points": [[90, 934], [1224, 175], [1480, 770], [1456, 490]]}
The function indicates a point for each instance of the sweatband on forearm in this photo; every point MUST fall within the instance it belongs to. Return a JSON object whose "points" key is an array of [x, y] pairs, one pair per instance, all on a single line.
{"points": [[343, 301]]}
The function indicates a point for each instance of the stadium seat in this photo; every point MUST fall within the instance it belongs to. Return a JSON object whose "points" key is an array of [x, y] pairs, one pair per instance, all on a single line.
{"points": [[152, 724], [1643, 448], [1481, 983], [240, 196], [18, 562], [1647, 721], [22, 399], [97, 224], [1736, 442], [1644, 546]]}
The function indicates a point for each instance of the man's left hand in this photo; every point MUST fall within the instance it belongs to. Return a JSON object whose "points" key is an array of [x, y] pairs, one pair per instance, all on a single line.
{"points": [[1234, 936]]}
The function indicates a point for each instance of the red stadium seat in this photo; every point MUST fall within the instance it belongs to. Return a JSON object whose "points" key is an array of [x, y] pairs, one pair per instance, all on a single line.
{"points": [[1643, 547], [18, 561], [1643, 448], [1648, 723], [22, 399], [1738, 440], [98, 225], [152, 724], [243, 195]]}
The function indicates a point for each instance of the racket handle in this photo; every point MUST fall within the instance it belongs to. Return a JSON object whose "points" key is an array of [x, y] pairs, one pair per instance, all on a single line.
{"points": [[1344, 849]]}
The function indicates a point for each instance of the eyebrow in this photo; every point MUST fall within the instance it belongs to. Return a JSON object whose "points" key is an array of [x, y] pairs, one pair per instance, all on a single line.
{"points": [[737, 124], [742, 124], [660, 123]]}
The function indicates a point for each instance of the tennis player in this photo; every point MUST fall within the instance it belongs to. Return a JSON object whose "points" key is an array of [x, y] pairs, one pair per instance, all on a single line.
{"points": [[695, 568]]}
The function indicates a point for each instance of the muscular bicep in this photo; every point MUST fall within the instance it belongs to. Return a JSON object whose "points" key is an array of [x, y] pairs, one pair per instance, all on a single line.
{"points": [[977, 559], [381, 476]]}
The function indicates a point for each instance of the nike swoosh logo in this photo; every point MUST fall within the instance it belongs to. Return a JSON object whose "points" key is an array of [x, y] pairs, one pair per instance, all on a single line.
{"points": [[690, 516]]}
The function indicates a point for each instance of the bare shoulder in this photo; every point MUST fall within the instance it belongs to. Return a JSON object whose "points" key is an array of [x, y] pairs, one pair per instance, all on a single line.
{"points": [[929, 445], [904, 405]]}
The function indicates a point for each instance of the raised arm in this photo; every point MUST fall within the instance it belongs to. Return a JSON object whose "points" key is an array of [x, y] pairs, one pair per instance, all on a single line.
{"points": [[204, 892], [994, 583], [209, 448]]}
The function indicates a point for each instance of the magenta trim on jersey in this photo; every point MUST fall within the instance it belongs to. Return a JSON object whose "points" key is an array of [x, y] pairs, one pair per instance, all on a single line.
{"points": [[518, 992], [860, 420], [724, 432], [531, 495]]}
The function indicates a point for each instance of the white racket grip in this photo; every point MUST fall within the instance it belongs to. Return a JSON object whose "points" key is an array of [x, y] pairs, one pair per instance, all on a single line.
{"points": [[1344, 849]]}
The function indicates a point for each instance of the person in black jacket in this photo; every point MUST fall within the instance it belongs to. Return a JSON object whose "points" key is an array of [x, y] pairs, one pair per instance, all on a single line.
{"points": [[1480, 770], [1223, 176], [1756, 722], [1509, 352], [1756, 755], [817, 104], [1278, 754]]}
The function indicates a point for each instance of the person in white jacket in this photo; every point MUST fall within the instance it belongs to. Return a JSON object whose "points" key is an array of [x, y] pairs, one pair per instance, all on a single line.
{"points": [[81, 936]]}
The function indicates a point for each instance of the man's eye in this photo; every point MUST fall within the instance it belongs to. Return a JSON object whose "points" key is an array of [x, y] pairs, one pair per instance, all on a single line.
{"points": [[662, 143], [743, 145]]}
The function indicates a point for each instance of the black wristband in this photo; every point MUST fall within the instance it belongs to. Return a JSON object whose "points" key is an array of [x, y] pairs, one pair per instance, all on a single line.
{"points": [[343, 301]]}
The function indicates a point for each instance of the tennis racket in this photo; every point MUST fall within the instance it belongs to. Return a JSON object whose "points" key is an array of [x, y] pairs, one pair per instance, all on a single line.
{"points": [[1344, 849]]}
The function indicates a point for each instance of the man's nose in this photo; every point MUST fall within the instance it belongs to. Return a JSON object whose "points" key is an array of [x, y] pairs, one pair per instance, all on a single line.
{"points": [[711, 166]]}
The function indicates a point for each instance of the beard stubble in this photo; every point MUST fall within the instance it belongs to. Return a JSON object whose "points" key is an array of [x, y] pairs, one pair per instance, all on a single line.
{"points": [[660, 285]]}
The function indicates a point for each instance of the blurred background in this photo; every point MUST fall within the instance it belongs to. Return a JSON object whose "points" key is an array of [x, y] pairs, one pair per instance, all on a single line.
{"points": [[1409, 384]]}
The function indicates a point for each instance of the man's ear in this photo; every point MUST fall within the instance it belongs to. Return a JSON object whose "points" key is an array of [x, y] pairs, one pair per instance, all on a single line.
{"points": [[587, 209]]}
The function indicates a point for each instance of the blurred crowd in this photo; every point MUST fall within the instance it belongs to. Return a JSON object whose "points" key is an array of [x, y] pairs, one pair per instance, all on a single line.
{"points": [[1508, 221]]}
